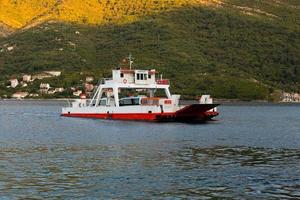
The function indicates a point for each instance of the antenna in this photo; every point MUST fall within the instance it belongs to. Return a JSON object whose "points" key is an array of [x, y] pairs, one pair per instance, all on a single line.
{"points": [[130, 58]]}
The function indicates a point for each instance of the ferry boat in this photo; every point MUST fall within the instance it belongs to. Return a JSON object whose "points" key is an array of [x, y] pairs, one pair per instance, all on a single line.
{"points": [[133, 94]]}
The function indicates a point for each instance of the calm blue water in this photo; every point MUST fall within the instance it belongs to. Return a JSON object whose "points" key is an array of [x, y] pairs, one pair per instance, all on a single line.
{"points": [[250, 152]]}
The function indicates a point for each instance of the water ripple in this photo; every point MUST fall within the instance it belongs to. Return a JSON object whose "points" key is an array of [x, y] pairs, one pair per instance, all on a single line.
{"points": [[206, 172]]}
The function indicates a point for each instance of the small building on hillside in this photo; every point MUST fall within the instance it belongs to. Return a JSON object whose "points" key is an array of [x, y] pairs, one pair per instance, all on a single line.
{"points": [[290, 97], [53, 73], [41, 76], [59, 90], [89, 79], [45, 86], [23, 84], [10, 48], [77, 93], [34, 95], [51, 91], [20, 95], [26, 78], [14, 83]]}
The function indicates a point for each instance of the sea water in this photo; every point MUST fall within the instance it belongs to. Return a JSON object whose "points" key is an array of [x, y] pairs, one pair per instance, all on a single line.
{"points": [[248, 152]]}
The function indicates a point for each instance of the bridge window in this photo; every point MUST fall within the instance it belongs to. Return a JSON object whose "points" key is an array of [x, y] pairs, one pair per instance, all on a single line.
{"points": [[141, 76], [121, 75]]}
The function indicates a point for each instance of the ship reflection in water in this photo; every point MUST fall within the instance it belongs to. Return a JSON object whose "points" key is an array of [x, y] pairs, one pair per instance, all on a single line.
{"points": [[239, 156]]}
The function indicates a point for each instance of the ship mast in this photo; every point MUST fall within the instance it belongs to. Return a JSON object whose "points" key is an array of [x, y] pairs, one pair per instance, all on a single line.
{"points": [[130, 59]]}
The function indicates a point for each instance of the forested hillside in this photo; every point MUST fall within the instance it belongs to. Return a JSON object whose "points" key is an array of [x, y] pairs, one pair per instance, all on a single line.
{"points": [[230, 49]]}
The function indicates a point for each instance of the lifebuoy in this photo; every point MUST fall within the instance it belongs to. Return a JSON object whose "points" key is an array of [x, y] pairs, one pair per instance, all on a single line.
{"points": [[125, 81]]}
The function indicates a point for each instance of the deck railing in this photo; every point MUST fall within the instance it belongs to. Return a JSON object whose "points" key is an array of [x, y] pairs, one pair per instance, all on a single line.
{"points": [[163, 82]]}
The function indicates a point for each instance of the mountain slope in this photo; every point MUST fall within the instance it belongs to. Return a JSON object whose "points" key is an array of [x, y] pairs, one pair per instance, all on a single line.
{"points": [[21, 13], [239, 49], [5, 30]]}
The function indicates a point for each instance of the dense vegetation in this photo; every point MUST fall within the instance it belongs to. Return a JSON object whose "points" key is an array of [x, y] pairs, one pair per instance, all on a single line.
{"points": [[22, 13], [230, 51]]}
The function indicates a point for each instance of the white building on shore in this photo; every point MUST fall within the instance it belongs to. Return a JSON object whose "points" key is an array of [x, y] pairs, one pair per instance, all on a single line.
{"points": [[290, 97], [53, 73], [89, 79], [14, 83], [77, 93], [26, 78], [20, 95], [45, 86]]}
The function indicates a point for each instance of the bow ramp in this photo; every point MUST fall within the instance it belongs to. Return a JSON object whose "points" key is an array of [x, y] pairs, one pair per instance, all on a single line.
{"points": [[200, 112]]}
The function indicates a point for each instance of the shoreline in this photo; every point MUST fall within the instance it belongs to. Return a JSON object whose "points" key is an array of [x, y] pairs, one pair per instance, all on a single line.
{"points": [[183, 102]]}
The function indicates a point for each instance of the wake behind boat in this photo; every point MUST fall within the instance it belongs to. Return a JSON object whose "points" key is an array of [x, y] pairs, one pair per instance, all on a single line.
{"points": [[138, 95]]}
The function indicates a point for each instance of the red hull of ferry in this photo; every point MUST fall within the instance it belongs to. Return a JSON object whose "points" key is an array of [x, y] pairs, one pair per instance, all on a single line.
{"points": [[196, 112]]}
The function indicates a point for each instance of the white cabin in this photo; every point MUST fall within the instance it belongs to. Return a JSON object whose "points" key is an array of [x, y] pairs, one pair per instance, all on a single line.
{"points": [[139, 77]]}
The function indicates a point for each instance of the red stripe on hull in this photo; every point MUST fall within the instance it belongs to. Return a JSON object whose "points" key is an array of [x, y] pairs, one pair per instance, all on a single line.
{"points": [[122, 116], [203, 116]]}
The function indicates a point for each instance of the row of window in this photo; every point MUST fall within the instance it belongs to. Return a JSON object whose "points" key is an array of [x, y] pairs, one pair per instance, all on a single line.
{"points": [[129, 102], [139, 76], [122, 102]]}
